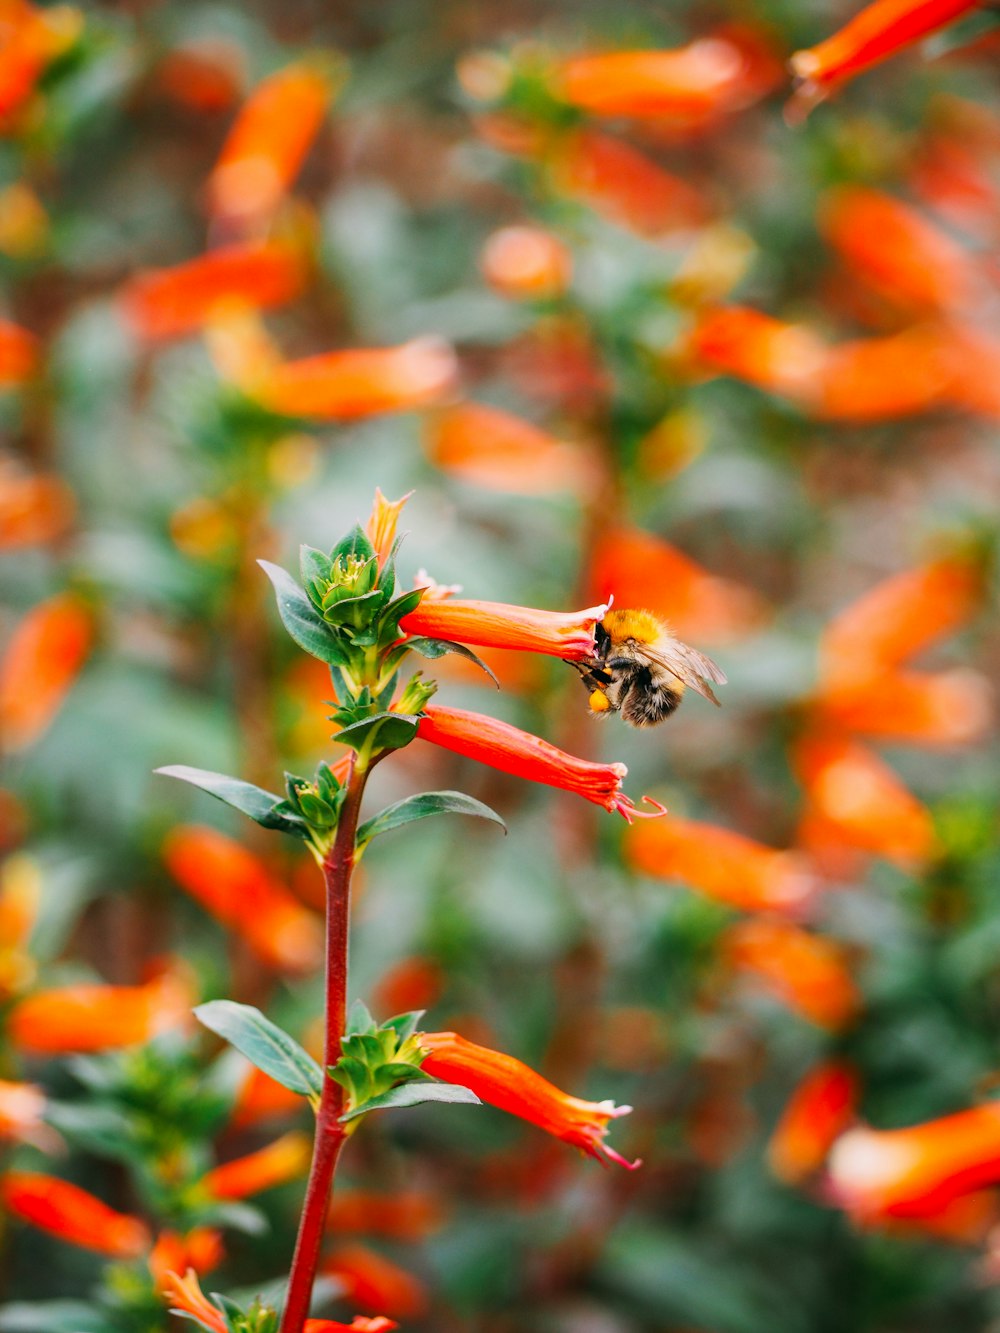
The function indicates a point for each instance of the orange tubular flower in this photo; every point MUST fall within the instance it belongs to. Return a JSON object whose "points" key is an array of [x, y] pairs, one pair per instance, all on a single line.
{"points": [[817, 1113], [710, 75], [805, 972], [382, 523], [370, 1280], [526, 263], [200, 1249], [240, 892], [897, 619], [29, 39], [278, 1162], [897, 251], [510, 1085], [876, 33], [33, 509], [738, 341], [721, 864], [523, 755], [267, 145], [641, 569], [18, 353], [916, 1171], [625, 186], [85, 1018], [263, 1098], [406, 1215], [41, 661], [946, 708], [492, 448], [852, 790], [569, 634], [879, 379], [172, 302], [71, 1213]]}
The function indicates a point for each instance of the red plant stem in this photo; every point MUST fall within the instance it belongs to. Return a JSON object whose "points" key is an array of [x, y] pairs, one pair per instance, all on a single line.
{"points": [[330, 1133]]}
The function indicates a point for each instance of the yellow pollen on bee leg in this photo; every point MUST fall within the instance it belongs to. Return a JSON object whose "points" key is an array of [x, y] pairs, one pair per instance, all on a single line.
{"points": [[598, 701]]}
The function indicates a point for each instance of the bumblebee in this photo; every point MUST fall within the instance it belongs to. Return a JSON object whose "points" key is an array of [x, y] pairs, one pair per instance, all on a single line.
{"points": [[640, 670]]}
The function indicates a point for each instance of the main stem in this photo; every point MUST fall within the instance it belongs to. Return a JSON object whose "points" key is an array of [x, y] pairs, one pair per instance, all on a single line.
{"points": [[330, 1133]]}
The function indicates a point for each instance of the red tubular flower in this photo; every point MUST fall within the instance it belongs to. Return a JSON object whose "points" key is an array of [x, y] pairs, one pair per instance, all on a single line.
{"points": [[510, 1085], [876, 33], [493, 448], [806, 972], [817, 1113], [721, 864], [280, 1161], [375, 1282], [266, 146], [565, 634], [708, 76], [915, 1171], [71, 1213], [41, 661], [86, 1018], [18, 353], [897, 250], [239, 891], [523, 755], [172, 302]]}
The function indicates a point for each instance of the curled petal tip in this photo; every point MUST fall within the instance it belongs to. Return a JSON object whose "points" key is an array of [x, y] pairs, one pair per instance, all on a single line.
{"points": [[629, 812]]}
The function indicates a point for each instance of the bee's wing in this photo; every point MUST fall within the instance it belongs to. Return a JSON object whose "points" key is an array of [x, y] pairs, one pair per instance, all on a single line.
{"points": [[688, 665]]}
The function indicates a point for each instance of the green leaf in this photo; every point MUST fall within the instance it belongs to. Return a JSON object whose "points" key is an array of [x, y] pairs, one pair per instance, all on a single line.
{"points": [[301, 619], [262, 806], [314, 566], [264, 1044], [421, 807], [355, 544], [405, 1024], [359, 1019], [394, 731], [433, 648], [413, 1094]]}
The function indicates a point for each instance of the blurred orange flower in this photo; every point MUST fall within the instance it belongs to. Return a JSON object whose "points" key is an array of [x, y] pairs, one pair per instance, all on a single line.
{"points": [[405, 1215], [877, 32], [261, 1097], [206, 75], [186, 1297], [489, 447], [171, 302], [409, 983], [240, 892], [721, 864], [944, 708], [85, 1017], [375, 1282], [640, 569], [39, 664], [565, 634], [510, 1085], [526, 263], [22, 1114], [736, 340], [34, 507], [20, 895], [806, 972], [857, 794], [66, 1211], [30, 38], [898, 251], [19, 353], [915, 1171], [878, 379], [268, 142], [199, 1249], [277, 1162], [817, 1113], [511, 750]]}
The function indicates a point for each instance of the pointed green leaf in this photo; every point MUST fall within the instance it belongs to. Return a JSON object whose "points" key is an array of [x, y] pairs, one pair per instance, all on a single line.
{"points": [[262, 806], [300, 617], [264, 1044], [420, 807], [355, 544], [359, 1019], [413, 1094], [405, 1024], [314, 566], [394, 731], [433, 648]]}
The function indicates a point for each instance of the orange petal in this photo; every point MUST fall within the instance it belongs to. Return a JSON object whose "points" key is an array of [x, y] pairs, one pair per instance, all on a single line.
{"points": [[283, 1160], [752, 346], [804, 971], [948, 708], [816, 1114], [262, 1098], [40, 663], [719, 863], [71, 1213], [19, 353], [239, 891], [86, 1018], [565, 634], [200, 1250], [878, 379]]}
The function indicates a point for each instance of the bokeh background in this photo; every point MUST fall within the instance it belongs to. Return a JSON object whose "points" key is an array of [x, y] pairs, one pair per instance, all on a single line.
{"points": [[740, 370]]}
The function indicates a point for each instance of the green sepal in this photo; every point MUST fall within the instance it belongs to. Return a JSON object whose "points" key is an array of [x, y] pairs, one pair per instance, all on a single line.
{"points": [[264, 1044], [405, 1024], [354, 546], [375, 1059], [422, 806], [414, 1094], [303, 622], [359, 1019], [316, 569], [434, 648], [263, 807], [381, 731], [352, 612]]}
